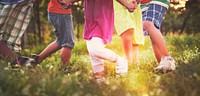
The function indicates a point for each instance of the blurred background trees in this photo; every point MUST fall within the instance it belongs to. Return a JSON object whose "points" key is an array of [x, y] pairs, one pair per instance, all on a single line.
{"points": [[181, 18]]}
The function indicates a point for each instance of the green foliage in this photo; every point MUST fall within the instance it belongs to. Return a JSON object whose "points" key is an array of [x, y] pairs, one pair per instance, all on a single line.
{"points": [[183, 19], [172, 21], [76, 79]]}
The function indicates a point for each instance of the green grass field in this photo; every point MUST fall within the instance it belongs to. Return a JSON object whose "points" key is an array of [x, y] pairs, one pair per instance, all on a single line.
{"points": [[48, 80]]}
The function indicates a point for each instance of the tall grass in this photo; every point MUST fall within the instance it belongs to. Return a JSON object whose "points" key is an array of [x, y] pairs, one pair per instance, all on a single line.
{"points": [[49, 79]]}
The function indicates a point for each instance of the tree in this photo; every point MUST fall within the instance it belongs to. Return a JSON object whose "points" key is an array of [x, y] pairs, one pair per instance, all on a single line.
{"points": [[182, 16], [192, 16], [78, 17]]}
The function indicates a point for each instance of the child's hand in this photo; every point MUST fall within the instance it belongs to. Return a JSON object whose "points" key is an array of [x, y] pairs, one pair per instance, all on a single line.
{"points": [[131, 5], [66, 3], [135, 2]]}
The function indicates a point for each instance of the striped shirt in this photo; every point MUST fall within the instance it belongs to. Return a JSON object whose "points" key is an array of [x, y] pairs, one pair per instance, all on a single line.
{"points": [[164, 3]]}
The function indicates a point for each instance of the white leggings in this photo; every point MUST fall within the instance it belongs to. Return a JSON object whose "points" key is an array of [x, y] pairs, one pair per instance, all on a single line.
{"points": [[97, 52]]}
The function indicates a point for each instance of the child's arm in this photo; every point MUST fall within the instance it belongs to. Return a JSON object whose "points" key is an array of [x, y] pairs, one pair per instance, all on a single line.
{"points": [[129, 5]]}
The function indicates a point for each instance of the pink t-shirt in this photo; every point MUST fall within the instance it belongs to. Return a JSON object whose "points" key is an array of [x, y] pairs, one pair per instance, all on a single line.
{"points": [[99, 19]]}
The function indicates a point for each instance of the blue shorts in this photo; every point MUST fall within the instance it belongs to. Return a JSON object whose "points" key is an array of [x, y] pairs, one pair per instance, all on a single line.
{"points": [[155, 14], [63, 28]]}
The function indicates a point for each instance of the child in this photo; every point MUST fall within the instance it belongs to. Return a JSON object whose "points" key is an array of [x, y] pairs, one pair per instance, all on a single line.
{"points": [[61, 18], [153, 14], [129, 27], [98, 30], [99, 25], [15, 16]]}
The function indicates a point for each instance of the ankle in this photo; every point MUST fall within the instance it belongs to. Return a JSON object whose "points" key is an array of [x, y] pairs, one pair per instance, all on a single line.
{"points": [[166, 57], [36, 57], [118, 58], [99, 76]]}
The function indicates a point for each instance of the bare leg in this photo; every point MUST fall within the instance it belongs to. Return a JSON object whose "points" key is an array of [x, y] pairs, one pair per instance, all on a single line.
{"points": [[156, 51], [131, 50], [135, 52], [65, 55], [126, 38], [51, 48], [156, 38], [6, 52]]}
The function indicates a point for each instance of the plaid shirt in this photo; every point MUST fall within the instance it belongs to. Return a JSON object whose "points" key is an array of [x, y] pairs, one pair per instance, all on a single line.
{"points": [[14, 20]]}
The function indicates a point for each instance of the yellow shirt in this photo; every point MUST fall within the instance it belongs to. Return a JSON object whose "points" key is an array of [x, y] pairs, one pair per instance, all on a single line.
{"points": [[124, 20]]}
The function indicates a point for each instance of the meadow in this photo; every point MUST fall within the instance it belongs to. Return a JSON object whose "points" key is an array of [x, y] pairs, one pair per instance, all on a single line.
{"points": [[49, 79]]}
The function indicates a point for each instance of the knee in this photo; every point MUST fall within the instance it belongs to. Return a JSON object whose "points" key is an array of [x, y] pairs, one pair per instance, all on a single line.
{"points": [[127, 35], [127, 38], [94, 51], [147, 25]]}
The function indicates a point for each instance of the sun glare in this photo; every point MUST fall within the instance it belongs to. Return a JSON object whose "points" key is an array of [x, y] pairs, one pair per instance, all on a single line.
{"points": [[176, 4]]}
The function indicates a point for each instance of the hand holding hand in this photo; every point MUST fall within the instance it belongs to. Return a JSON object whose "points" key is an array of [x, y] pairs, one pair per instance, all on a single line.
{"points": [[65, 3], [131, 5]]}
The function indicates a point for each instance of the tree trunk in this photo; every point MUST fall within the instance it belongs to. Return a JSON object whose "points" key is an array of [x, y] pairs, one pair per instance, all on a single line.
{"points": [[38, 20], [34, 31], [78, 30], [185, 21]]}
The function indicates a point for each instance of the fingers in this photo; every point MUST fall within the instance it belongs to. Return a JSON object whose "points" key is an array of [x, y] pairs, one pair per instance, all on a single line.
{"points": [[132, 6], [66, 4], [138, 1]]}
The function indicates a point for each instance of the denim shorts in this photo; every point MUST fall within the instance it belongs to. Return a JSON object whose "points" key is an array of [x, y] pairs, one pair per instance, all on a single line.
{"points": [[63, 28]]}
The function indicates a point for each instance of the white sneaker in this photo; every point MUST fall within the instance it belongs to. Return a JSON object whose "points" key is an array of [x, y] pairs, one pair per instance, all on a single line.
{"points": [[166, 64], [121, 66]]}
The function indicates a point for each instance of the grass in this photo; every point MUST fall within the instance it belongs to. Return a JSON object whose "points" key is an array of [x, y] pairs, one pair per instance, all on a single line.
{"points": [[48, 80]]}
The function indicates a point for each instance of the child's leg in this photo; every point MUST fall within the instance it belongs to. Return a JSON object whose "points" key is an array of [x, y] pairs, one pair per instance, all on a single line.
{"points": [[153, 18], [135, 52], [96, 47], [126, 38], [97, 63], [65, 55], [166, 63], [51, 48], [131, 50], [152, 22], [156, 37], [156, 51], [6, 52], [98, 68], [65, 36]]}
